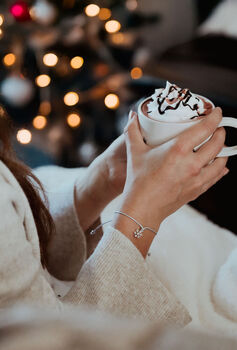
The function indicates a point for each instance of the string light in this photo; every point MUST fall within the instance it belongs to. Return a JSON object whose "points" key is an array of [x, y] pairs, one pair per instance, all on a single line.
{"points": [[9, 59], [73, 120], [1, 33], [105, 14], [111, 101], [71, 98], [24, 136], [92, 10], [112, 26], [43, 80], [1, 20], [50, 59], [77, 62], [45, 108], [39, 122], [136, 73]]}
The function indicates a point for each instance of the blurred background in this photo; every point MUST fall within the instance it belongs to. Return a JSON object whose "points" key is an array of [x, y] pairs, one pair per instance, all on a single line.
{"points": [[72, 69]]}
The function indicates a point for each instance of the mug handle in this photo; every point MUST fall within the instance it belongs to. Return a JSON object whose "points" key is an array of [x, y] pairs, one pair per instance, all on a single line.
{"points": [[228, 151]]}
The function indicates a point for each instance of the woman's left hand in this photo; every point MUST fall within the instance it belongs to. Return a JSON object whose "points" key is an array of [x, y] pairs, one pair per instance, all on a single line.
{"points": [[104, 180], [115, 166]]}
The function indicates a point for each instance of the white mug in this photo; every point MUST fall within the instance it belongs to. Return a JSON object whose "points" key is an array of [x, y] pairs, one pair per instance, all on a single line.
{"points": [[158, 133]]}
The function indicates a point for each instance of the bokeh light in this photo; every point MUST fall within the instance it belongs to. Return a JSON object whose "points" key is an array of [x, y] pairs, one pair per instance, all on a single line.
{"points": [[50, 59], [77, 62], [39, 122], [105, 14], [131, 5], [92, 10], [9, 59], [43, 80], [112, 26], [111, 101], [118, 38], [71, 98], [45, 108], [1, 20], [73, 120], [24, 136], [136, 73]]}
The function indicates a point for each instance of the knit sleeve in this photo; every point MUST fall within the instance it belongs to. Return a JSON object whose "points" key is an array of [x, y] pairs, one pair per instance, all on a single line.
{"points": [[69, 246], [116, 278]]}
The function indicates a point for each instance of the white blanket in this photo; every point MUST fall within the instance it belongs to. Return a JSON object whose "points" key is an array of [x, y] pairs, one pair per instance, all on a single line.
{"points": [[197, 261], [194, 258]]}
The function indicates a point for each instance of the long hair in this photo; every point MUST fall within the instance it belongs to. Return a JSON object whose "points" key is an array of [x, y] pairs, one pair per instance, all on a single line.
{"points": [[30, 185]]}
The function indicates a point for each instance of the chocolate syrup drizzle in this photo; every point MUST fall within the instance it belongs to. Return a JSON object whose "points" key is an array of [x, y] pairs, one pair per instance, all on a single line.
{"points": [[183, 99]]}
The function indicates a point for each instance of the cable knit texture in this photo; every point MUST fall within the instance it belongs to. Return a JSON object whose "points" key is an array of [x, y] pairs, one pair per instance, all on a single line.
{"points": [[115, 278]]}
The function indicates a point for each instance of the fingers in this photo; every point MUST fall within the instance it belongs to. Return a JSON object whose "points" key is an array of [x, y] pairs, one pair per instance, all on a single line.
{"points": [[211, 148], [212, 173], [198, 133], [133, 134], [214, 180]]}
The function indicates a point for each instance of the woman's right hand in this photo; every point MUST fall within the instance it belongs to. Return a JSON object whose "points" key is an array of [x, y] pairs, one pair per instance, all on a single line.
{"points": [[158, 183]]}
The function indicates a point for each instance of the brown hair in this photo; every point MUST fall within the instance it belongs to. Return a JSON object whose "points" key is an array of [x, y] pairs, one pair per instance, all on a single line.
{"points": [[30, 185]]}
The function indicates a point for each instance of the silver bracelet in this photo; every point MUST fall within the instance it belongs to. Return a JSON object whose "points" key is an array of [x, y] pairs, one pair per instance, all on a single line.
{"points": [[138, 233]]}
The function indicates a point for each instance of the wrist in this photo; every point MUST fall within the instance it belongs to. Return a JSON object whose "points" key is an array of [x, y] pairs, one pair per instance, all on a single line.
{"points": [[133, 206], [91, 195]]}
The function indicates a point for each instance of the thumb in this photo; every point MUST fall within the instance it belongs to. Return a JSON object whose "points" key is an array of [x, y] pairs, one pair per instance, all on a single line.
{"points": [[132, 131]]}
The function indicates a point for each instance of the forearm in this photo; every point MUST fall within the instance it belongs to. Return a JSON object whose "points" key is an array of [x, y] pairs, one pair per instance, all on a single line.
{"points": [[92, 194]]}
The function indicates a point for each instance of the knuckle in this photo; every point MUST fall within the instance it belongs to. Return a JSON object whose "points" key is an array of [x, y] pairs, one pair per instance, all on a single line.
{"points": [[180, 147], [194, 168]]}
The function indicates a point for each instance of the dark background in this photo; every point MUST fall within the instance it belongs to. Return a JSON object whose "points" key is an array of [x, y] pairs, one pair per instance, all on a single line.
{"points": [[160, 37]]}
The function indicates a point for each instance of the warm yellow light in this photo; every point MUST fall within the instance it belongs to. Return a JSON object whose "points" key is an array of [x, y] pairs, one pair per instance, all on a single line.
{"points": [[1, 32], [118, 38], [9, 59], [112, 26], [43, 80], [50, 59], [105, 14], [1, 19], [71, 98], [39, 122], [136, 73], [111, 101], [45, 108], [77, 62], [92, 10], [24, 136], [73, 120]]}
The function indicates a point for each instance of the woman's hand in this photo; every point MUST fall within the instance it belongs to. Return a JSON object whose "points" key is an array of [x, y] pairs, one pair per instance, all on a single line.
{"points": [[158, 183], [103, 180], [114, 161]]}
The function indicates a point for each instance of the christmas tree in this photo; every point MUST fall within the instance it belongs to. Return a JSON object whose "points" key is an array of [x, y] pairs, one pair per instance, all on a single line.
{"points": [[66, 71]]}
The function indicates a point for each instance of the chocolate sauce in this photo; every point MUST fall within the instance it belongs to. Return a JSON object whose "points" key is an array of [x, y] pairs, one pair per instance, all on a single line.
{"points": [[184, 96]]}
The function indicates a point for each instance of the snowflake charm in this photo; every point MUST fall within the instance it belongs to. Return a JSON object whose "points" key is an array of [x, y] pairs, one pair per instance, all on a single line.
{"points": [[138, 233]]}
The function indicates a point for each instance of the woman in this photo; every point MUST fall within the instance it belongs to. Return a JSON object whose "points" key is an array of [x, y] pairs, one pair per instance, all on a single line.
{"points": [[116, 277]]}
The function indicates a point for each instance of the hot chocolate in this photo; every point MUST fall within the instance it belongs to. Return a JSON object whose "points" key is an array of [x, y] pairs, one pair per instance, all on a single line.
{"points": [[174, 104]]}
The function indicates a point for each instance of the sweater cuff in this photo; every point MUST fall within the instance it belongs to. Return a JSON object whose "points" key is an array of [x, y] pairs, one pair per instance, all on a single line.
{"points": [[117, 279], [68, 247]]}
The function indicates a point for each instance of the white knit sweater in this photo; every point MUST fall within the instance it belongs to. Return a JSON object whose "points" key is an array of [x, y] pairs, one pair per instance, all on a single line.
{"points": [[115, 278]]}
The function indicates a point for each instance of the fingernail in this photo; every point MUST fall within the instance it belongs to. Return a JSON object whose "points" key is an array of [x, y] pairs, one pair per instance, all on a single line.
{"points": [[226, 171], [131, 115]]}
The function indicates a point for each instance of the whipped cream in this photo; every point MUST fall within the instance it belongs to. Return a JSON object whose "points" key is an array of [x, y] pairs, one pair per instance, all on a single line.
{"points": [[173, 104]]}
